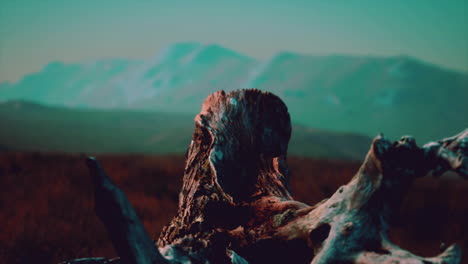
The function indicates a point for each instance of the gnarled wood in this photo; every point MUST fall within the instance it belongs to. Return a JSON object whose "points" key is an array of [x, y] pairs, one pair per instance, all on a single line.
{"points": [[235, 187], [235, 205]]}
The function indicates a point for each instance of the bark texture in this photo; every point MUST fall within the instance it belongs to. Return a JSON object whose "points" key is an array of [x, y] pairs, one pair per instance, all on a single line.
{"points": [[235, 205]]}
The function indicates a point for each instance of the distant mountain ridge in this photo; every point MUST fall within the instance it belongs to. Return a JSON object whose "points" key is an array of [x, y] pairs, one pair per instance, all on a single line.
{"points": [[368, 95], [29, 126]]}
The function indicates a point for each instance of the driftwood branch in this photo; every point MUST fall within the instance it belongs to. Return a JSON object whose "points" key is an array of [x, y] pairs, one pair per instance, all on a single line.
{"points": [[235, 205], [130, 239]]}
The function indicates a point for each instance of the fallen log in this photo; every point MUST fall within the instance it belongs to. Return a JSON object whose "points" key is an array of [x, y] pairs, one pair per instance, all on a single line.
{"points": [[235, 205]]}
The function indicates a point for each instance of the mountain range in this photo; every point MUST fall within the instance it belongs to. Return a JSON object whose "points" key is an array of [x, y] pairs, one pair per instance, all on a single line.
{"points": [[360, 94]]}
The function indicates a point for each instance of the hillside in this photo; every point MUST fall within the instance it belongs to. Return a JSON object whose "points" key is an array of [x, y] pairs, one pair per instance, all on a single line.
{"points": [[30, 126], [361, 94]]}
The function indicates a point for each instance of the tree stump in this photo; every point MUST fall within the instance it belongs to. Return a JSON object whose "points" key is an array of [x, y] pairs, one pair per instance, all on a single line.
{"points": [[235, 205]]}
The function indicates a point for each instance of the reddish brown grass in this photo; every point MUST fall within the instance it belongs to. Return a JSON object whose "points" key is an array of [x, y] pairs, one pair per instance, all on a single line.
{"points": [[47, 214]]}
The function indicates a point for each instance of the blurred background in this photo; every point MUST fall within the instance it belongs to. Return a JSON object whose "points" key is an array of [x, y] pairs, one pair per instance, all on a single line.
{"points": [[123, 80]]}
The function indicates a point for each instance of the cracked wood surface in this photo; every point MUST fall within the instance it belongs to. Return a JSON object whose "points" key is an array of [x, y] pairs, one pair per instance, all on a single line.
{"points": [[235, 205]]}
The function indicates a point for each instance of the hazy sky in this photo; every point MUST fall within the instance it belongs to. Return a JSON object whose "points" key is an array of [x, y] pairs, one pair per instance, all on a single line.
{"points": [[33, 33]]}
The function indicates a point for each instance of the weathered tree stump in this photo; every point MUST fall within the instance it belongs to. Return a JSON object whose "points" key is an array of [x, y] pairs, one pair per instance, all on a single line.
{"points": [[235, 205]]}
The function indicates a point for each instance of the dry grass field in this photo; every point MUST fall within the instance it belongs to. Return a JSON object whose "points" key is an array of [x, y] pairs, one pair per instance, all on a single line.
{"points": [[47, 214]]}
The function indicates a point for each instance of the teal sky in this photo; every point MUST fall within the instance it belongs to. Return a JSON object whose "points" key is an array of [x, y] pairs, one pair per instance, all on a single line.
{"points": [[33, 33]]}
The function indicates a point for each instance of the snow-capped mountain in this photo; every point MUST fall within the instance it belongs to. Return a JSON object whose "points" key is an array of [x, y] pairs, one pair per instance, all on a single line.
{"points": [[179, 70], [395, 95]]}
